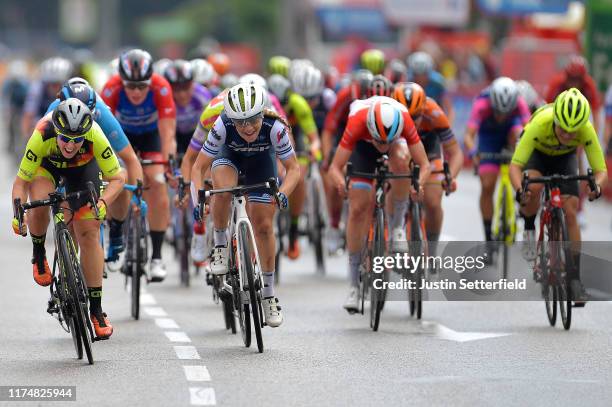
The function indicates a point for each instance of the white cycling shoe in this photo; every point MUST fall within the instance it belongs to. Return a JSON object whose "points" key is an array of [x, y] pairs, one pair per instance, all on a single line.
{"points": [[399, 243], [157, 271], [115, 265], [272, 312], [352, 300], [198, 248], [334, 240], [219, 266], [528, 250]]}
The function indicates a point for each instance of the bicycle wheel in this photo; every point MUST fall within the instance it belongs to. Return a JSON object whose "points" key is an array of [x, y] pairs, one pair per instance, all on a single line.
{"points": [[183, 245], [504, 229], [416, 247], [136, 255], [377, 295], [565, 263], [317, 225], [549, 290], [77, 292], [249, 271], [230, 321], [242, 310]]}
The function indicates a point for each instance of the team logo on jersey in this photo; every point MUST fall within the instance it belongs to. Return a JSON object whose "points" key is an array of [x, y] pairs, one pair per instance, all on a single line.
{"points": [[163, 91], [214, 133], [281, 134], [31, 156], [107, 153]]}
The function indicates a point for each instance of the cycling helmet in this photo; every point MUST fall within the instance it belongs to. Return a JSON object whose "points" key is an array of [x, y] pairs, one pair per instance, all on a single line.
{"points": [[411, 95], [220, 62], [72, 117], [79, 88], [279, 64], [576, 66], [385, 121], [528, 93], [360, 83], [279, 86], [297, 65], [420, 63], [396, 71], [135, 65], [373, 60], [503, 94], [202, 71], [379, 86], [571, 110], [244, 100], [254, 79], [228, 80], [55, 70], [159, 66], [307, 82], [179, 72]]}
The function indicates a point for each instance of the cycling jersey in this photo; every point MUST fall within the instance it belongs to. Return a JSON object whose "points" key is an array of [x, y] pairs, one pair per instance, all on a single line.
{"points": [[324, 102], [14, 93], [207, 120], [609, 102], [588, 88], [42, 150], [108, 123], [336, 119], [434, 129], [300, 114], [143, 118], [436, 86], [187, 117], [37, 99], [357, 129], [539, 135]]}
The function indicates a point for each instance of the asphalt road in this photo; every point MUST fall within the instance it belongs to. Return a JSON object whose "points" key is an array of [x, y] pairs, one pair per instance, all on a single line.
{"points": [[460, 354]]}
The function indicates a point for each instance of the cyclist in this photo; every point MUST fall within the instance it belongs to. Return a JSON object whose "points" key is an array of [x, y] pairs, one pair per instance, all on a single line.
{"points": [[79, 88], [204, 74], [335, 123], [67, 144], [228, 80], [548, 146], [305, 136], [373, 60], [396, 71], [142, 102], [376, 126], [14, 92], [421, 70], [53, 73], [220, 62], [279, 64], [498, 116], [530, 95], [440, 144], [245, 139], [272, 103]]}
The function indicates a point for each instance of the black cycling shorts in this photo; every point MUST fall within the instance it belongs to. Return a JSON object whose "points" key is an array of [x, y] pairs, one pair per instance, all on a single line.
{"points": [[566, 164]]}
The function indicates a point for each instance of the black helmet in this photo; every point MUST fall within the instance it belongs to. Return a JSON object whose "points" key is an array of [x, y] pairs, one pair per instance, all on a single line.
{"points": [[379, 86], [360, 83], [135, 65], [179, 72], [78, 88], [72, 117]]}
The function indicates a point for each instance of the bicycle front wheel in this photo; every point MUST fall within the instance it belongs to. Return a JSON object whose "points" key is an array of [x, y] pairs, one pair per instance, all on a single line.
{"points": [[415, 296], [377, 295], [136, 255], [565, 264], [246, 261]]}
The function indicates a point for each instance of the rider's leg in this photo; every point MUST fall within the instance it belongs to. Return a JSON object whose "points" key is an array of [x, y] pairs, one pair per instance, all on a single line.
{"points": [[296, 205], [433, 214], [360, 208], [261, 216], [488, 178], [38, 221], [223, 176], [399, 159]]}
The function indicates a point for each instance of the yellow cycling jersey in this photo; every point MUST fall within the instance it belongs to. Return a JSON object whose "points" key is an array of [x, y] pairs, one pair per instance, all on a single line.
{"points": [[299, 113], [42, 149], [539, 134], [212, 111]]}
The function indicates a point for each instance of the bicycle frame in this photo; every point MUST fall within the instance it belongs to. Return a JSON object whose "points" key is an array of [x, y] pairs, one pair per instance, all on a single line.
{"points": [[504, 198]]}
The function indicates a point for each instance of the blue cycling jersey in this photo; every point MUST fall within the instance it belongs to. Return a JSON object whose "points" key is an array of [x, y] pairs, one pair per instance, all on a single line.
{"points": [[108, 123], [436, 86]]}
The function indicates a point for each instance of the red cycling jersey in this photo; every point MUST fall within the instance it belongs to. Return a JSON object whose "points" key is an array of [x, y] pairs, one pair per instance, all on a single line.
{"points": [[338, 114], [357, 128], [559, 83]]}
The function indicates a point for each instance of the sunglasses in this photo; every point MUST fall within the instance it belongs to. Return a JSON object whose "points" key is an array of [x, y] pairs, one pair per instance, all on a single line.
{"points": [[136, 85], [251, 121], [68, 139]]}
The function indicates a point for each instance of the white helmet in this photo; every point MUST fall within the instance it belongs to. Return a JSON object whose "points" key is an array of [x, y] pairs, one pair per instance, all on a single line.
{"points": [[385, 120], [307, 82], [297, 65], [278, 85], [17, 68], [420, 63], [244, 100], [159, 66], [503, 94], [228, 80], [254, 79], [55, 69], [203, 71], [528, 93]]}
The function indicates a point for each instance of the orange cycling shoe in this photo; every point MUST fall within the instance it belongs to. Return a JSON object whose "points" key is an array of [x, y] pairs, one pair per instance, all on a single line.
{"points": [[294, 250], [103, 329], [45, 278]]}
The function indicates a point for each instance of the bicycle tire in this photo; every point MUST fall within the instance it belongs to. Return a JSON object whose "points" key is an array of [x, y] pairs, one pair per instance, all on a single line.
{"points": [[318, 226], [549, 290], [136, 264], [183, 248], [242, 310], [249, 271], [416, 243], [563, 287], [230, 321], [503, 231], [378, 250], [60, 290], [69, 261]]}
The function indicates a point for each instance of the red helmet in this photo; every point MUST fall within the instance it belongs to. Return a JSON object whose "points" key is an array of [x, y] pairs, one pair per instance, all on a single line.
{"points": [[220, 62], [576, 66]]}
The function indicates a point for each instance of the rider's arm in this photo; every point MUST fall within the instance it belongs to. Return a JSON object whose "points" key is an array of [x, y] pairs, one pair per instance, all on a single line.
{"points": [[212, 145], [337, 166], [454, 156], [416, 148], [167, 134], [108, 163], [469, 139], [521, 155], [166, 111], [134, 169], [594, 154], [279, 138]]}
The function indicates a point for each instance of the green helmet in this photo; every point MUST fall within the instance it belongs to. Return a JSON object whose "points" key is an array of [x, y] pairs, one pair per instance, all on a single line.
{"points": [[373, 60], [571, 110], [279, 64]]}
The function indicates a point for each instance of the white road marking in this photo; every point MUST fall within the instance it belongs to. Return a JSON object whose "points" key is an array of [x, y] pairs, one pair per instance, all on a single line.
{"points": [[175, 336], [166, 323], [186, 352], [197, 373], [155, 311], [443, 332], [147, 299], [202, 396]]}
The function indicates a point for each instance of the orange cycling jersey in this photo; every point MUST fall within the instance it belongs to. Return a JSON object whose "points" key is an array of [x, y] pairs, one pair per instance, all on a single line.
{"points": [[434, 129]]}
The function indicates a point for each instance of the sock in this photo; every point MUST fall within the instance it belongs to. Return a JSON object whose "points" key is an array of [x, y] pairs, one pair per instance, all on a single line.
{"points": [[268, 288], [220, 237], [432, 241], [293, 229], [529, 222], [115, 229], [487, 228], [399, 213], [157, 239], [95, 300], [38, 246], [354, 263]]}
